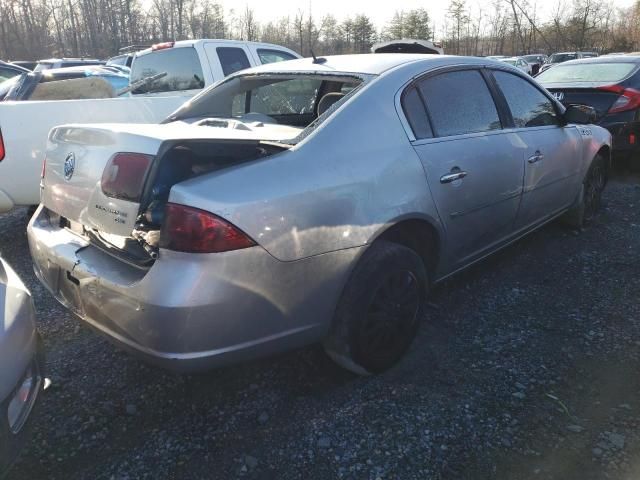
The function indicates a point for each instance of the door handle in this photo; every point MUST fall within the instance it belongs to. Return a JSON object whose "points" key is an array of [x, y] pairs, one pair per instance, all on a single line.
{"points": [[536, 157], [456, 174]]}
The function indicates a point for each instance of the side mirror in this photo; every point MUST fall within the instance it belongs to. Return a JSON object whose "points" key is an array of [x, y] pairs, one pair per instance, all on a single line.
{"points": [[580, 114]]}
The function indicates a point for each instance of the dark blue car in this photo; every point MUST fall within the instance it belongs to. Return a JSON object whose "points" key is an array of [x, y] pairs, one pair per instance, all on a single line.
{"points": [[611, 85]]}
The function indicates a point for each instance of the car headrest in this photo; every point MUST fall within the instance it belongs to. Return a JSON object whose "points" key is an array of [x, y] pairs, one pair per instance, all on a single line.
{"points": [[328, 100]]}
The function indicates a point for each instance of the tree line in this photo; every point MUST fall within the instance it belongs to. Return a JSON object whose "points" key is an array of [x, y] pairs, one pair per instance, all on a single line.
{"points": [[33, 29]]}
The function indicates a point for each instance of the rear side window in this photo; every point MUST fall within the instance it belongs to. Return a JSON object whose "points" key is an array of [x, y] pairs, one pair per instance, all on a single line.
{"points": [[232, 59], [529, 106], [181, 65], [273, 56], [459, 102], [416, 114]]}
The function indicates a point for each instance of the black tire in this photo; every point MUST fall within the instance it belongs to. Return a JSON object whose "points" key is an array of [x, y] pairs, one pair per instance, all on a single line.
{"points": [[589, 198], [378, 314]]}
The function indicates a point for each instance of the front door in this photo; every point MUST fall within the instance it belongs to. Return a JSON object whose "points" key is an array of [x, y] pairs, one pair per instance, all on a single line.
{"points": [[552, 164]]}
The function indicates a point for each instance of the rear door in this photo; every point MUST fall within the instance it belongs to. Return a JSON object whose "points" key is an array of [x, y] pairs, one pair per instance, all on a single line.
{"points": [[474, 169], [552, 166]]}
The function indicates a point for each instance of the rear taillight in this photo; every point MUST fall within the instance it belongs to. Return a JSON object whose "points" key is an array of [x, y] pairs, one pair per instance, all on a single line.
{"points": [[124, 175], [187, 229], [629, 98], [1, 147]]}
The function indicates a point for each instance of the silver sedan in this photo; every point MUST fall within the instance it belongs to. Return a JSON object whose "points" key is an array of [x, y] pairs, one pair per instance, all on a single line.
{"points": [[21, 365], [305, 201]]}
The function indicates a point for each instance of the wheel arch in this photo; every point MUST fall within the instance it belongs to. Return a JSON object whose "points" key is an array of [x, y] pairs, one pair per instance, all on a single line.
{"points": [[420, 235]]}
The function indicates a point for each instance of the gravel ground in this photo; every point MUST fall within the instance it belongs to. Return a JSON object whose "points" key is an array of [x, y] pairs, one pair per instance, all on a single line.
{"points": [[526, 367]]}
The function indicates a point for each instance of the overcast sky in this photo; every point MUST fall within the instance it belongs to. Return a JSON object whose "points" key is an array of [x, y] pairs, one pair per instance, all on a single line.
{"points": [[379, 11]]}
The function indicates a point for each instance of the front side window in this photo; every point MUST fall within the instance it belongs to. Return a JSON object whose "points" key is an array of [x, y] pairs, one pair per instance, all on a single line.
{"points": [[273, 56], [232, 59], [529, 106], [181, 66], [459, 103]]}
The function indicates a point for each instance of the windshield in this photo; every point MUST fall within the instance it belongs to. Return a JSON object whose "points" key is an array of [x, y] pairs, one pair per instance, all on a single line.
{"points": [[532, 58], [510, 61], [588, 72], [562, 57], [295, 100], [6, 85]]}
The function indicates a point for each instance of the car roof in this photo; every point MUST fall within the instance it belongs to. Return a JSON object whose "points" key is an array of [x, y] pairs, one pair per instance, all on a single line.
{"points": [[365, 63], [191, 43]]}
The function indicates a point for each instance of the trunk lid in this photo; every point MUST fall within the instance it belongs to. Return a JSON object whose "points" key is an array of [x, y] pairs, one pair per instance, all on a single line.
{"points": [[81, 162], [589, 94]]}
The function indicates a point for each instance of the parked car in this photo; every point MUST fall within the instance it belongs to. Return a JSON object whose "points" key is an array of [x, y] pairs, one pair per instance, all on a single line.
{"points": [[288, 204], [8, 70], [28, 64], [611, 85], [518, 62], [408, 45], [557, 58], [536, 60], [164, 77], [126, 54], [96, 81], [66, 62], [21, 365]]}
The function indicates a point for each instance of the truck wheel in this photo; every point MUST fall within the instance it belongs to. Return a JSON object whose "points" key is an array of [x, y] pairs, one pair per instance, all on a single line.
{"points": [[379, 311], [589, 198]]}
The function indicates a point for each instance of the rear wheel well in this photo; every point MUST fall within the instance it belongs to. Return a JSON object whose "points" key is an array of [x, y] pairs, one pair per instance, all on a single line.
{"points": [[605, 151], [421, 237]]}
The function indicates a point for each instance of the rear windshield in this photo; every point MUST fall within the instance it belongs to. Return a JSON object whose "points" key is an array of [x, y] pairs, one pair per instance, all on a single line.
{"points": [[295, 100], [510, 62], [532, 58], [588, 72], [562, 57], [181, 67]]}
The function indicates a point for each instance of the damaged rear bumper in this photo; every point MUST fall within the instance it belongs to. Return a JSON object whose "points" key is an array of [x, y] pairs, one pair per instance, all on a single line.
{"points": [[191, 311]]}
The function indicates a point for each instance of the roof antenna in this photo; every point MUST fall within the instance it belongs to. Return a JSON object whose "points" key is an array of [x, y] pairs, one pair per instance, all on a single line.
{"points": [[318, 60]]}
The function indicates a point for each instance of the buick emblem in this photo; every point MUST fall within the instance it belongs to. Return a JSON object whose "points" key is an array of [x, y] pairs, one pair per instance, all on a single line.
{"points": [[559, 96], [69, 166]]}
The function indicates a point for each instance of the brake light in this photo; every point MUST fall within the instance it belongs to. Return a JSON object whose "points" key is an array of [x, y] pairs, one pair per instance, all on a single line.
{"points": [[1, 147], [162, 46], [124, 175], [629, 98], [187, 229]]}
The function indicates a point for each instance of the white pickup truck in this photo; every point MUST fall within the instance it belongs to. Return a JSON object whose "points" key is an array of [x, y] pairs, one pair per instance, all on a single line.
{"points": [[184, 68]]}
